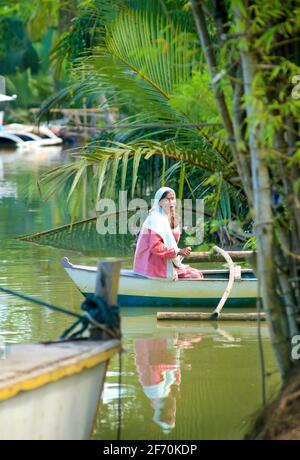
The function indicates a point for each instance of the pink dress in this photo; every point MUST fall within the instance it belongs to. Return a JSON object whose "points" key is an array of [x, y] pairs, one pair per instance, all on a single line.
{"points": [[151, 257], [152, 358]]}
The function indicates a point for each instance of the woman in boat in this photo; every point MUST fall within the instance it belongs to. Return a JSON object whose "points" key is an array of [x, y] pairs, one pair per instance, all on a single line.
{"points": [[157, 254]]}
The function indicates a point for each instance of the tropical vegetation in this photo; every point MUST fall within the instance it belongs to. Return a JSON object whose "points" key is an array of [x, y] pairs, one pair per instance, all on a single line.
{"points": [[209, 95]]}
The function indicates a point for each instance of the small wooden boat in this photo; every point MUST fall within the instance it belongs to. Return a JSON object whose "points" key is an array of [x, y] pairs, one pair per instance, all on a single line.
{"points": [[139, 291], [51, 391]]}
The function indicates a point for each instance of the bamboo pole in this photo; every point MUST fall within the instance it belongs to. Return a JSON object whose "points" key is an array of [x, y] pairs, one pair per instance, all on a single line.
{"points": [[198, 316], [262, 199], [207, 256]]}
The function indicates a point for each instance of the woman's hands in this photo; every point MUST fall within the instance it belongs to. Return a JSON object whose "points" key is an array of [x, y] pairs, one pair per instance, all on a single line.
{"points": [[185, 251]]}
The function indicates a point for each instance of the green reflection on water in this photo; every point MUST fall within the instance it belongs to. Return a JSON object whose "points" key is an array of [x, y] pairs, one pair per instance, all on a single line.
{"points": [[179, 380]]}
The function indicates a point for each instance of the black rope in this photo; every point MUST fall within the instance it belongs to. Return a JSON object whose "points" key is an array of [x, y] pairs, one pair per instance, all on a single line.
{"points": [[41, 302], [96, 312], [83, 320], [98, 308]]}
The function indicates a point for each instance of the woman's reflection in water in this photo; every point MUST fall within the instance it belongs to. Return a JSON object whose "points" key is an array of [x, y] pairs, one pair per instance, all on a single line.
{"points": [[158, 366]]}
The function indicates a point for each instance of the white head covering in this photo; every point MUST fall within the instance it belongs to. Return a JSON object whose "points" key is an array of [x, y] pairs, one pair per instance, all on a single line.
{"points": [[158, 222]]}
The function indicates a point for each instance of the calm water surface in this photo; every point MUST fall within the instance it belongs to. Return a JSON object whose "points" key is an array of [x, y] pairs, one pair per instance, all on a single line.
{"points": [[180, 380]]}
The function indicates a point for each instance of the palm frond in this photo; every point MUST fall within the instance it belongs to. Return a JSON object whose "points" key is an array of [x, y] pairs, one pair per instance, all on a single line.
{"points": [[159, 55], [105, 162], [142, 69], [83, 236], [146, 65]]}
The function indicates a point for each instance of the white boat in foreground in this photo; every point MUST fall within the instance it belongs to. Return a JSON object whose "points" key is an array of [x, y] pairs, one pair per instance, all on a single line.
{"points": [[51, 391], [139, 291]]}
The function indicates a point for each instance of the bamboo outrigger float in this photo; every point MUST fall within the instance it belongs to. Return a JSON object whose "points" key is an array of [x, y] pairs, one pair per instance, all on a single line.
{"points": [[52, 390], [195, 316]]}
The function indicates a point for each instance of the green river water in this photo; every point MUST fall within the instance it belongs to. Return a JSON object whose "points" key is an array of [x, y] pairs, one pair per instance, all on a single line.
{"points": [[179, 380]]}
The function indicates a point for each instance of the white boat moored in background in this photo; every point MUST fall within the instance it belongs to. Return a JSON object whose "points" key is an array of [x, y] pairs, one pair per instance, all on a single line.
{"points": [[28, 137], [32, 136], [5, 98]]}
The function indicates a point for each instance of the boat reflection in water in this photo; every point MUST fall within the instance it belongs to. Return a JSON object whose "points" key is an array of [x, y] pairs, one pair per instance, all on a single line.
{"points": [[157, 362]]}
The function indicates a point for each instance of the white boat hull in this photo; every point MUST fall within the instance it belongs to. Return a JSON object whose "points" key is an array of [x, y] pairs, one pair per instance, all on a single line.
{"points": [[135, 290]]}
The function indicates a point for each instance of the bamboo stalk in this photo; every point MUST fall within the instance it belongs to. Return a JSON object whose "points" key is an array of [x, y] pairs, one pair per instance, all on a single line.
{"points": [[262, 200], [207, 256], [199, 316]]}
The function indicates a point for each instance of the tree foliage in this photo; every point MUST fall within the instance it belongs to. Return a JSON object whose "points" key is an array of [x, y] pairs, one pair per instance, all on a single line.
{"points": [[152, 75]]}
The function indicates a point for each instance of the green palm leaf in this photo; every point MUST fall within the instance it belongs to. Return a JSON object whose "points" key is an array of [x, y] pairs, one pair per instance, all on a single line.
{"points": [[83, 236]]}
